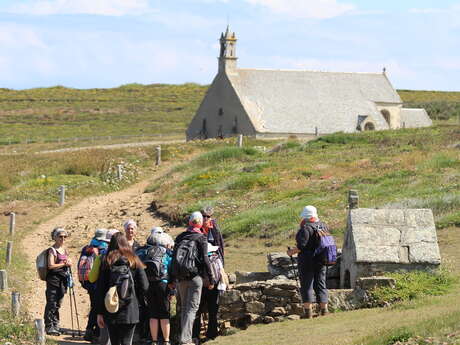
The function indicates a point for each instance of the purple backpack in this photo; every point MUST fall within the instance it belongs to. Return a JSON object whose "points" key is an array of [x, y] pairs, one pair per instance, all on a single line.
{"points": [[326, 250]]}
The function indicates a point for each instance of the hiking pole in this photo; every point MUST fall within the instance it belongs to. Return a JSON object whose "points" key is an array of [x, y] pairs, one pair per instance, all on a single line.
{"points": [[296, 276], [72, 290], [69, 284]]}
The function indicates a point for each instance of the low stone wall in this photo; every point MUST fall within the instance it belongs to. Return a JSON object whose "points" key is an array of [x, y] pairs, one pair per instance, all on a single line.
{"points": [[276, 300]]}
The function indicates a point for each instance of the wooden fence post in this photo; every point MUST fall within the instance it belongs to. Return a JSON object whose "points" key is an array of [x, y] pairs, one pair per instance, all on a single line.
{"points": [[316, 131], [158, 150], [9, 250], [12, 223], [61, 195], [3, 280], [120, 172], [353, 199], [15, 303], [40, 337], [239, 142]]}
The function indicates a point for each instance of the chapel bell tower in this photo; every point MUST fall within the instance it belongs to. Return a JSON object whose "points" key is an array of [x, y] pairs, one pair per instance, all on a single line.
{"points": [[227, 56]]}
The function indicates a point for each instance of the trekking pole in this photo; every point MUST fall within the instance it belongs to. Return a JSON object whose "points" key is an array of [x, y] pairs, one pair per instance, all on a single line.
{"points": [[296, 276], [71, 309], [72, 290]]}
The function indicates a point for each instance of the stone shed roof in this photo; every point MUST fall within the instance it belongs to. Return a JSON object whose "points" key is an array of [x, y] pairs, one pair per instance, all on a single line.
{"points": [[394, 236], [413, 118], [282, 101]]}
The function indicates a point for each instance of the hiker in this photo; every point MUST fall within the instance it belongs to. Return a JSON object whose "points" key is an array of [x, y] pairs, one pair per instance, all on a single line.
{"points": [[130, 227], [157, 258], [190, 265], [212, 231], [210, 298], [312, 271], [88, 255], [56, 280], [121, 273]]}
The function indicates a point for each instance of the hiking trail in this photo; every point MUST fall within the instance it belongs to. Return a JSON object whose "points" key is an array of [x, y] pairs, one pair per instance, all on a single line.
{"points": [[81, 220]]}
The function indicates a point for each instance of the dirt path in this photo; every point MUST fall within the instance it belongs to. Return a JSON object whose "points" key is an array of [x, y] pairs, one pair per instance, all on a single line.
{"points": [[106, 211]]}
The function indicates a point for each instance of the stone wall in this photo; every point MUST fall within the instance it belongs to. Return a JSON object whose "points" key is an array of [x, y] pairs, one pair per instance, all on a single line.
{"points": [[277, 300]]}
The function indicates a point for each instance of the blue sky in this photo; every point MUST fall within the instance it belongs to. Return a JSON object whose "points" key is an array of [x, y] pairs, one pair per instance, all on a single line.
{"points": [[107, 43]]}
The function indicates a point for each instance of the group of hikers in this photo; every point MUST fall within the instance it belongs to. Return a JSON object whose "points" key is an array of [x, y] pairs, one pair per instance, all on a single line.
{"points": [[130, 286]]}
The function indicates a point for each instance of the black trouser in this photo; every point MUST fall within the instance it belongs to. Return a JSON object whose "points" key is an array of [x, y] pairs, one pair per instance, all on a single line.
{"points": [[92, 317], [209, 303], [313, 278], [121, 333], [54, 296]]}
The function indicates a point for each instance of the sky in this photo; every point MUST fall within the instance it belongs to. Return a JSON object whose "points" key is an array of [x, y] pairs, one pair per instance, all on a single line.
{"points": [[108, 43]]}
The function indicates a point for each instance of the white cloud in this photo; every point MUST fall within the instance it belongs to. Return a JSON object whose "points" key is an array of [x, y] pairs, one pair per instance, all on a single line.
{"points": [[95, 7], [317, 9]]}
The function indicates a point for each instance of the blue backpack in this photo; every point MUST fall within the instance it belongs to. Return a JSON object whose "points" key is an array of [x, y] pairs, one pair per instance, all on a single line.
{"points": [[326, 250]]}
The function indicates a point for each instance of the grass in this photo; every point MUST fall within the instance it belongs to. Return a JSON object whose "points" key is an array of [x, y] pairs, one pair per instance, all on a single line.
{"points": [[260, 194], [414, 285], [16, 331]]}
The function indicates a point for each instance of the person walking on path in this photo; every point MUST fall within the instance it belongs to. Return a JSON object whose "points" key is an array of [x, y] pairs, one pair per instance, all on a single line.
{"points": [[312, 271], [158, 261], [130, 227], [56, 280], [88, 255], [210, 297], [190, 244], [121, 321]]}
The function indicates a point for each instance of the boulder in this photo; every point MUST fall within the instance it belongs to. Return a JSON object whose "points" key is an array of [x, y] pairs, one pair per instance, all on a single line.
{"points": [[248, 277], [255, 307]]}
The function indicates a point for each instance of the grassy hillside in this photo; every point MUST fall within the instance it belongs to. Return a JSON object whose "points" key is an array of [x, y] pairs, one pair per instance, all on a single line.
{"points": [[49, 113], [133, 109], [260, 194]]}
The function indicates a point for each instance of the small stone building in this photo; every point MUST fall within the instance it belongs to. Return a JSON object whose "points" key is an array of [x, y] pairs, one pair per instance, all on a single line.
{"points": [[266, 103], [388, 240]]}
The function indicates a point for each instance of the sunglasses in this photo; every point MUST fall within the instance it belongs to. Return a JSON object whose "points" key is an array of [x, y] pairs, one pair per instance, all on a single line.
{"points": [[206, 216], [62, 236]]}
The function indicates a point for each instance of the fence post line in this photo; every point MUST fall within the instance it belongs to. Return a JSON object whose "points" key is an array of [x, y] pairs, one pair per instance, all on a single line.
{"points": [[120, 172], [9, 252], [12, 223], [61, 195], [3, 280], [353, 199], [15, 303], [158, 150], [40, 332], [239, 141]]}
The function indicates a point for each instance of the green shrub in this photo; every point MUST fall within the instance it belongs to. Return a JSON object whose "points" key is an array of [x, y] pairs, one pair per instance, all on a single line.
{"points": [[16, 331], [247, 182], [224, 154], [414, 285]]}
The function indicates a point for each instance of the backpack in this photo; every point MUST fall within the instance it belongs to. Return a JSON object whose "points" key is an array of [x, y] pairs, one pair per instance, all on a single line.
{"points": [[216, 266], [85, 263], [153, 258], [185, 257], [326, 250], [41, 263], [121, 284]]}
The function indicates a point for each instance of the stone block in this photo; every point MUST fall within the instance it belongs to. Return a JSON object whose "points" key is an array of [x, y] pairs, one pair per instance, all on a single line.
{"points": [[286, 284], [230, 296], [279, 318], [231, 278], [255, 307], [296, 308], [369, 254], [248, 277], [362, 216], [251, 286], [293, 317], [278, 311], [268, 319], [251, 295], [425, 253], [412, 235], [275, 291], [369, 283]]}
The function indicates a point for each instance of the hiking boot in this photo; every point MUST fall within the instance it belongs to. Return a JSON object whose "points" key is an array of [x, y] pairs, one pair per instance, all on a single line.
{"points": [[53, 331], [89, 336], [324, 311], [166, 343], [308, 313]]}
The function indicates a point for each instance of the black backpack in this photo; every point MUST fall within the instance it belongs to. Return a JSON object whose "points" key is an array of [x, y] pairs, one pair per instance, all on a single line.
{"points": [[152, 257], [121, 277], [185, 259]]}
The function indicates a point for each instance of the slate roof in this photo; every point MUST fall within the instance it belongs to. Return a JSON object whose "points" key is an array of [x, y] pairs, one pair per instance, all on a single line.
{"points": [[282, 101], [413, 118], [394, 236]]}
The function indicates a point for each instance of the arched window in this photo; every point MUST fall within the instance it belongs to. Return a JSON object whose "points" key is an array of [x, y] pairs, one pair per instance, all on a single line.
{"points": [[369, 126], [387, 116]]}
